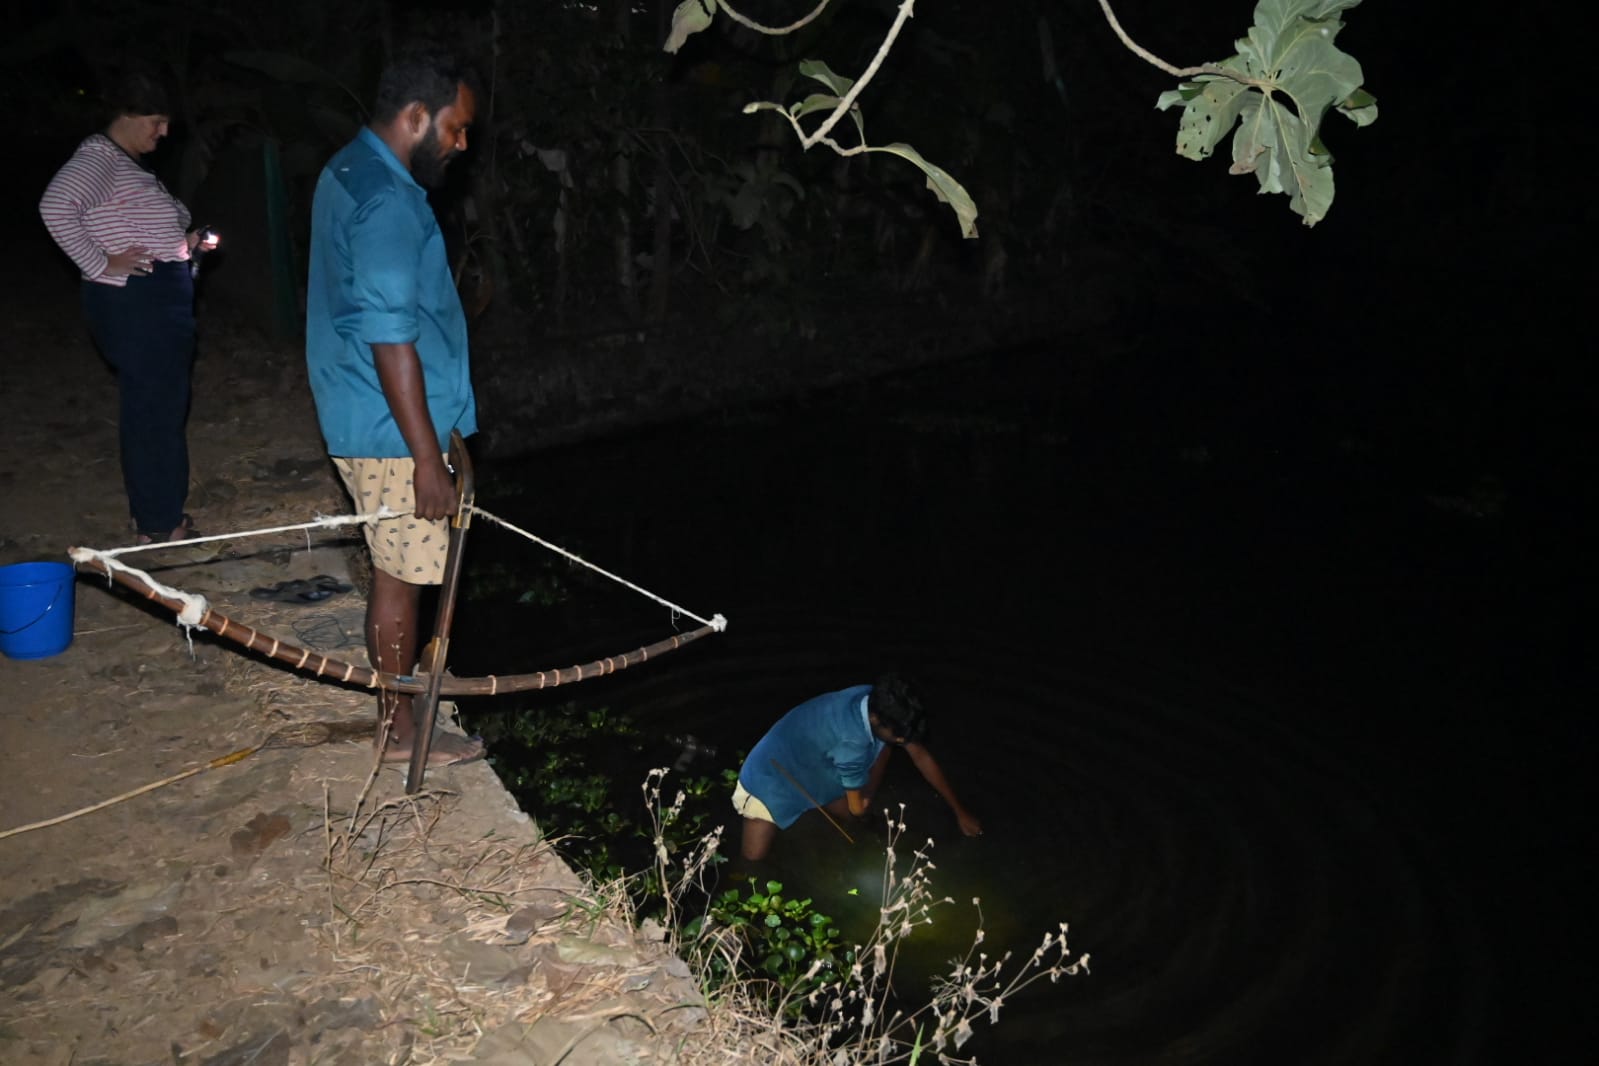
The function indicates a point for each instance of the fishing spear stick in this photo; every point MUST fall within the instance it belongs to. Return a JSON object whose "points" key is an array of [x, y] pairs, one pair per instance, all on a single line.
{"points": [[808, 796]]}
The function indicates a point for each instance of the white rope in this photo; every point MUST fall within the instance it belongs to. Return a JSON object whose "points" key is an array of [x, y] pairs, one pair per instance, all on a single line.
{"points": [[716, 622], [194, 607], [321, 522]]}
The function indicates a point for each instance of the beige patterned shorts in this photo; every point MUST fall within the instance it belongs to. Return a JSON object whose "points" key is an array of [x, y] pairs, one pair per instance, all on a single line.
{"points": [[749, 806], [405, 546]]}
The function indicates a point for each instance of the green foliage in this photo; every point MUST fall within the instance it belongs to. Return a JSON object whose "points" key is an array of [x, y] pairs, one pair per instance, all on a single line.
{"points": [[690, 17], [796, 948], [945, 187], [567, 766], [564, 768], [1285, 77], [554, 762]]}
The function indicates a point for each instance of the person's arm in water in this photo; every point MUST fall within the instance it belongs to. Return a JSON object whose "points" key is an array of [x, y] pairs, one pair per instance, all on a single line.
{"points": [[928, 767]]}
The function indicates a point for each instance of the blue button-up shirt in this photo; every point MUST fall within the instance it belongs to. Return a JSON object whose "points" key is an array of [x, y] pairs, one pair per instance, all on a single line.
{"points": [[379, 275], [826, 744]]}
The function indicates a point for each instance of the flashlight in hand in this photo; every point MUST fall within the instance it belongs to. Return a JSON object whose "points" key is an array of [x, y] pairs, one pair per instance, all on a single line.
{"points": [[206, 239]]}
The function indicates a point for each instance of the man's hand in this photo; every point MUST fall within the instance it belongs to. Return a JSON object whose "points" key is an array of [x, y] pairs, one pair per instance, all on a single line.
{"points": [[857, 803], [969, 823], [400, 374], [132, 262], [435, 490]]}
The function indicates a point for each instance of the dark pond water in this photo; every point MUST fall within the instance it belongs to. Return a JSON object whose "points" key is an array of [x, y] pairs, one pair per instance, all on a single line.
{"points": [[1230, 693]]}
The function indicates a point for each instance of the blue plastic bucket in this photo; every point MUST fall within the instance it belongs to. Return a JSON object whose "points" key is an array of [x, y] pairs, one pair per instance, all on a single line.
{"points": [[36, 601]]}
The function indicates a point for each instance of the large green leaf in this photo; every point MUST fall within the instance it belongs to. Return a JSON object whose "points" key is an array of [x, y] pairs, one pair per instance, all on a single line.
{"points": [[944, 187], [690, 17], [1301, 75]]}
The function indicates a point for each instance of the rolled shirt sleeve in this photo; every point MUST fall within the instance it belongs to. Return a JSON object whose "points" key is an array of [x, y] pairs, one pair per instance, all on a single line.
{"points": [[852, 759], [386, 244]]}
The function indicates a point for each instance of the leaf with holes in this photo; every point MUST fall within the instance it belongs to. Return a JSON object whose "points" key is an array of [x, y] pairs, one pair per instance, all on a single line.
{"points": [[1289, 74]]}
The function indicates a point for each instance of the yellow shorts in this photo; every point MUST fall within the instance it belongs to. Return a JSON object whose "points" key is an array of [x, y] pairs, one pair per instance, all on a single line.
{"points": [[405, 546], [749, 806]]}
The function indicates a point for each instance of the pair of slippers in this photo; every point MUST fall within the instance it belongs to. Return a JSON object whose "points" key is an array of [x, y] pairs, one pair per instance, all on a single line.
{"points": [[312, 590]]}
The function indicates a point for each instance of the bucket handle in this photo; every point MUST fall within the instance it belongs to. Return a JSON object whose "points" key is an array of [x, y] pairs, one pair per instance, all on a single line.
{"points": [[60, 585]]}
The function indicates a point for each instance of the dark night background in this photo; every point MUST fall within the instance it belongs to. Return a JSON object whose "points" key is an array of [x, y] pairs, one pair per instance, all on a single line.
{"points": [[1264, 547]]}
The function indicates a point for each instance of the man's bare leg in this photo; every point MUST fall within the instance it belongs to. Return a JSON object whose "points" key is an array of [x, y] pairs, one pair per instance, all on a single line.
{"points": [[757, 839], [391, 643]]}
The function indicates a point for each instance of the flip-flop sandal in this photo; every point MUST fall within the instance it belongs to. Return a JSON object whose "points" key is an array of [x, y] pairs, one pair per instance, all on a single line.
{"points": [[299, 590], [330, 584], [295, 591]]}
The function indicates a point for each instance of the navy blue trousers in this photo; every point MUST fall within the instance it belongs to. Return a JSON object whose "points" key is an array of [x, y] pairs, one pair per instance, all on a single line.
{"points": [[146, 332]]}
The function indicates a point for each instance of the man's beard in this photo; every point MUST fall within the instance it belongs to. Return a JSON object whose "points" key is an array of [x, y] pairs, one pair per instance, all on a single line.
{"points": [[427, 164]]}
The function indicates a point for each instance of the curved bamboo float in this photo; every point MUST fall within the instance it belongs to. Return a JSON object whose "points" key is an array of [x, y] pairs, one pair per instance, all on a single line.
{"points": [[324, 666]]}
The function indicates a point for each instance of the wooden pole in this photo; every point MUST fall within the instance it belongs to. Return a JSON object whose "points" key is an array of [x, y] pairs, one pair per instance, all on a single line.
{"points": [[424, 708], [325, 666], [813, 802]]}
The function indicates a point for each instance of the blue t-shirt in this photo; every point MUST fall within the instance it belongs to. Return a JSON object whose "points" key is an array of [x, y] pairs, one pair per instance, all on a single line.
{"points": [[379, 275], [826, 744]]}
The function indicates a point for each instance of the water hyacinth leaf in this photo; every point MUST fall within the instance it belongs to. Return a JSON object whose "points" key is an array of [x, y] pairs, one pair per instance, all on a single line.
{"points": [[690, 17]]}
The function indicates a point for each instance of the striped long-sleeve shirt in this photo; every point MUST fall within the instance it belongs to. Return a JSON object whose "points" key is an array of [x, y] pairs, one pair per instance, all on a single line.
{"points": [[103, 202]]}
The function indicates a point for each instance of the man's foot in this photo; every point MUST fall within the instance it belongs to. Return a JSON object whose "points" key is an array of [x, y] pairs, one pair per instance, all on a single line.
{"points": [[447, 749]]}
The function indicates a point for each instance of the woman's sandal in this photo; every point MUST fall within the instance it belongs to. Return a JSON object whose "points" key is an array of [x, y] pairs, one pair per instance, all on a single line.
{"points": [[185, 529]]}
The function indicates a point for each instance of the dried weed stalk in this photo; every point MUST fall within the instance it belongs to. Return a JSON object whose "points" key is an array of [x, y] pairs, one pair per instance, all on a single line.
{"points": [[847, 1021]]}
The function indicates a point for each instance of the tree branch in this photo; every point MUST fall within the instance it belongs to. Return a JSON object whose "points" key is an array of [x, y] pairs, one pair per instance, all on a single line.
{"points": [[809, 139], [1175, 71], [773, 31]]}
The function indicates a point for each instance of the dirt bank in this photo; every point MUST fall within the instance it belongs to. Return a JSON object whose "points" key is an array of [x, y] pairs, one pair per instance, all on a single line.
{"points": [[294, 907]]}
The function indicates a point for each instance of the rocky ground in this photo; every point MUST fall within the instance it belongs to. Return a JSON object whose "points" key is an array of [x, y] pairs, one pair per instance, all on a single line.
{"points": [[295, 906]]}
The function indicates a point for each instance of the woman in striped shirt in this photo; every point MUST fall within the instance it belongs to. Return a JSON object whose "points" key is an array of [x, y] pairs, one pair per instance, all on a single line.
{"points": [[130, 238]]}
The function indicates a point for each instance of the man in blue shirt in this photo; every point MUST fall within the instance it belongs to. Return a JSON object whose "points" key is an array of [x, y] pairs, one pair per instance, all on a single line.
{"points": [[831, 752], [386, 352]]}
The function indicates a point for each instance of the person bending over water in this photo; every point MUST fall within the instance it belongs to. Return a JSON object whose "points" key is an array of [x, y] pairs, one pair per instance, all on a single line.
{"points": [[831, 751]]}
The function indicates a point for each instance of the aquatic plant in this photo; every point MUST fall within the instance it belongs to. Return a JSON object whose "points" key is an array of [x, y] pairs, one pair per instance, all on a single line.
{"points": [[746, 948]]}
